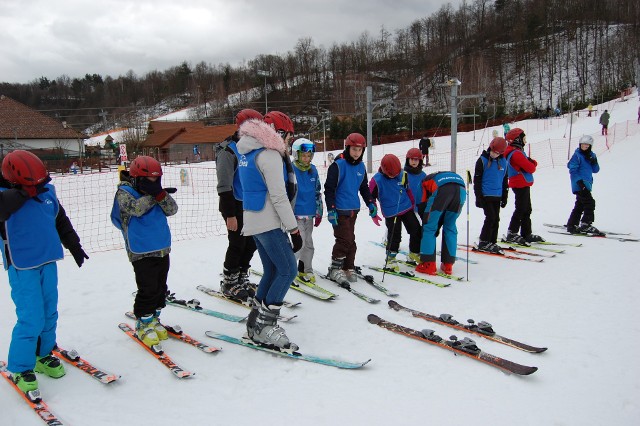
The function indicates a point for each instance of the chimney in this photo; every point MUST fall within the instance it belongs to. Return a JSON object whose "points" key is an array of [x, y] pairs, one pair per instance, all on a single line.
{"points": [[64, 124]]}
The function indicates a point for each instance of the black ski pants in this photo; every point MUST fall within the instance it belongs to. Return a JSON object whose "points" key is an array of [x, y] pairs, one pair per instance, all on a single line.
{"points": [[521, 218], [151, 279], [583, 210], [491, 207]]}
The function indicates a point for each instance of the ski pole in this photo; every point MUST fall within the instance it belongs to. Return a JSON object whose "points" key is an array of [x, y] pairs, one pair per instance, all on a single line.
{"points": [[468, 185], [393, 228]]}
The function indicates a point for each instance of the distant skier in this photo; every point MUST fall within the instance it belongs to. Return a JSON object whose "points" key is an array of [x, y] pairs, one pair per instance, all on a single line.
{"points": [[604, 121], [424, 145], [581, 166]]}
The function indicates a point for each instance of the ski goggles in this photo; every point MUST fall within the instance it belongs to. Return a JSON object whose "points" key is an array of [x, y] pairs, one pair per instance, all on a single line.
{"points": [[307, 147]]}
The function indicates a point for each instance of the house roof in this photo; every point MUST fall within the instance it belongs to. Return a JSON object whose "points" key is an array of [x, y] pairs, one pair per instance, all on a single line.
{"points": [[188, 135], [18, 121]]}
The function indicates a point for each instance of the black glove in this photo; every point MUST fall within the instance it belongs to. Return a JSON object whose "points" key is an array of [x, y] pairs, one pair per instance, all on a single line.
{"points": [[593, 160], [503, 202], [296, 240], [78, 255], [581, 185], [479, 202], [147, 187]]}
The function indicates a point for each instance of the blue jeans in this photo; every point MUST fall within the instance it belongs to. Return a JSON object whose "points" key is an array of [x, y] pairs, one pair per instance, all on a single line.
{"points": [[35, 294], [278, 264]]}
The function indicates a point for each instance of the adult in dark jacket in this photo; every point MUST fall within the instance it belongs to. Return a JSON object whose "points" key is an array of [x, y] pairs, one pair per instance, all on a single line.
{"points": [[582, 165], [33, 227], [604, 121], [491, 188], [424, 145], [235, 284]]}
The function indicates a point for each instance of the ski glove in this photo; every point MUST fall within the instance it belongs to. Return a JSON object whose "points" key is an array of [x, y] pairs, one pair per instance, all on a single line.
{"points": [[373, 210], [376, 219], [317, 220], [503, 203], [152, 188], [581, 185], [480, 202], [332, 217], [78, 255], [593, 160], [296, 240]]}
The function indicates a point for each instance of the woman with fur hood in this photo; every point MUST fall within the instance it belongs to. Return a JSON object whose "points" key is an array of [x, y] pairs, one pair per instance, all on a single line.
{"points": [[269, 186]]}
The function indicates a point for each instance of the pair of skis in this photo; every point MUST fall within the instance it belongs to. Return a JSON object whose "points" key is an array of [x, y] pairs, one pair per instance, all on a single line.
{"points": [[215, 293], [466, 347], [34, 398], [308, 288], [620, 236]]}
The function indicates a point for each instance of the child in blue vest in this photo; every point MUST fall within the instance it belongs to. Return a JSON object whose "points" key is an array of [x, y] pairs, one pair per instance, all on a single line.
{"points": [[33, 224], [413, 166], [345, 178], [390, 186], [491, 188], [308, 207], [582, 166], [140, 210]]}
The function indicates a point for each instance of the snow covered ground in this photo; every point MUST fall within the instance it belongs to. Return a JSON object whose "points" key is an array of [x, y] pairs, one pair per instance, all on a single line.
{"points": [[581, 304]]}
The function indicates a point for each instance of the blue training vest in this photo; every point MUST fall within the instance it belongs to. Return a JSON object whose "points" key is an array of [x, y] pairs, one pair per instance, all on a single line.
{"points": [[513, 172], [306, 198], [237, 183], [350, 177], [147, 233], [493, 176], [392, 194], [32, 237], [255, 188], [415, 185]]}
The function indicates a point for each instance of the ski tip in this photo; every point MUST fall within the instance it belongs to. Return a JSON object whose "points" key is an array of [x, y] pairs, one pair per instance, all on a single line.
{"points": [[540, 350], [393, 304], [529, 371], [374, 319]]}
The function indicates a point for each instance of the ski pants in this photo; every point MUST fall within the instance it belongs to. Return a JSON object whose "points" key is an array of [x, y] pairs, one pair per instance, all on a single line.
{"points": [[35, 295], [521, 218], [278, 264], [305, 255], [241, 248], [394, 231], [345, 246], [491, 209], [151, 279], [442, 211], [583, 210]]}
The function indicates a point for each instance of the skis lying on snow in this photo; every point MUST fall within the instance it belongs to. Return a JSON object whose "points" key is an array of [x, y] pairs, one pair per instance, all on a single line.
{"points": [[72, 357], [295, 355], [408, 275], [466, 346], [370, 280], [158, 353], [529, 246], [513, 250], [194, 305], [33, 398], [607, 236], [503, 255], [175, 332], [216, 293], [406, 253], [482, 328], [550, 225], [310, 289], [347, 286]]}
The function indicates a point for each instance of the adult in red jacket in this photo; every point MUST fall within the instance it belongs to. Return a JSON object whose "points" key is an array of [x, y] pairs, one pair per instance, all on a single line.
{"points": [[520, 169]]}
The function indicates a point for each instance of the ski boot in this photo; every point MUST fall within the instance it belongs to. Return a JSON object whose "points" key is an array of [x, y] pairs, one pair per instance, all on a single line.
{"points": [[146, 332], [336, 273], [533, 238], [447, 268], [266, 331], [243, 278], [351, 275], [50, 366], [25, 381], [514, 238], [232, 288], [587, 228], [161, 331], [307, 277], [392, 262], [427, 268], [489, 247], [414, 258]]}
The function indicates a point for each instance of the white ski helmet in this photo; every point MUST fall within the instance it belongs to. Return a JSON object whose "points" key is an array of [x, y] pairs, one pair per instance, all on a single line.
{"points": [[586, 139], [302, 145]]}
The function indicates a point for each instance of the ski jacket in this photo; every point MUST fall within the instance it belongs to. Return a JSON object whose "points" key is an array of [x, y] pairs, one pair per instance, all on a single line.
{"points": [[393, 193], [432, 182], [309, 195], [490, 177], [520, 168], [344, 180], [581, 168], [604, 119], [424, 145], [268, 179]]}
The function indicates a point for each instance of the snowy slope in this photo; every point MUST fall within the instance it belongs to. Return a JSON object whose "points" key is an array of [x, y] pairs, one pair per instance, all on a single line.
{"points": [[581, 304]]}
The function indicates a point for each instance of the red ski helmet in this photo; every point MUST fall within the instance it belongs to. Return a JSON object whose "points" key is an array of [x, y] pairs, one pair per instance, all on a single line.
{"points": [[247, 114], [355, 139], [498, 145], [414, 153], [280, 121], [390, 165], [516, 137], [23, 168], [145, 166]]}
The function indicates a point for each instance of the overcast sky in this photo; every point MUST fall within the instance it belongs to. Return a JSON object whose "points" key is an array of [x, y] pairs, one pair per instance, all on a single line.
{"points": [[74, 37]]}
